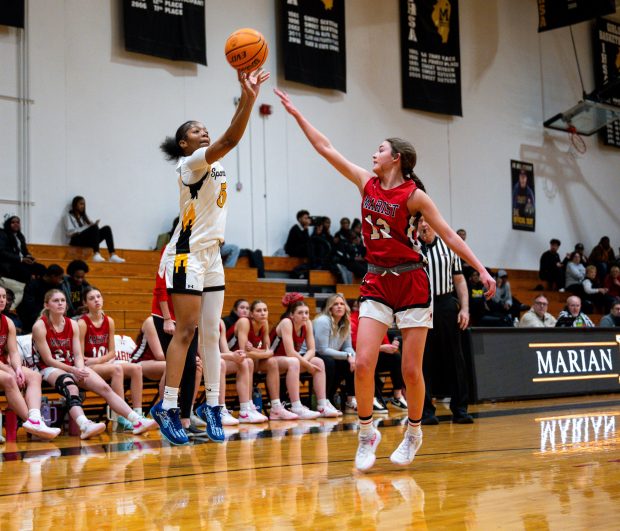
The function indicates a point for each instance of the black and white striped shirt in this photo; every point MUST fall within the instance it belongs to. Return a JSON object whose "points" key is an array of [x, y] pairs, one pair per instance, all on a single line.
{"points": [[443, 263]]}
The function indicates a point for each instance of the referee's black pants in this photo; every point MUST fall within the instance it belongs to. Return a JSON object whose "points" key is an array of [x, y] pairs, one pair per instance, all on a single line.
{"points": [[443, 350]]}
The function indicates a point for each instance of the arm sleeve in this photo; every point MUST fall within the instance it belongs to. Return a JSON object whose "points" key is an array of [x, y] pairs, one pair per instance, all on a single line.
{"points": [[322, 334]]}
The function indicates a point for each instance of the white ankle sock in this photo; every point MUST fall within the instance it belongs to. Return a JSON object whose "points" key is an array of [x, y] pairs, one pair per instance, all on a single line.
{"points": [[82, 421], [171, 398], [245, 406], [133, 417], [297, 404], [276, 403], [321, 402], [34, 414]]}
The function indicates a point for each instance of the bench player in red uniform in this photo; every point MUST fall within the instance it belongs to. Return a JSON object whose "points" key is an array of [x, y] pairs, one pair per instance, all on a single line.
{"points": [[396, 286]]}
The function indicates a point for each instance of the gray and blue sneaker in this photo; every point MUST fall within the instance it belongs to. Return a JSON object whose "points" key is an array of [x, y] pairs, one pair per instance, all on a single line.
{"points": [[211, 415], [169, 424]]}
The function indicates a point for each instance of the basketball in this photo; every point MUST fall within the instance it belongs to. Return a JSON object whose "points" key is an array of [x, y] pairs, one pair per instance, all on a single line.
{"points": [[246, 49]]}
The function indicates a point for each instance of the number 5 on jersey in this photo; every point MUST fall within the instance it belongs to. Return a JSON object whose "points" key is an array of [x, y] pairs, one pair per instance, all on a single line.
{"points": [[221, 199]]}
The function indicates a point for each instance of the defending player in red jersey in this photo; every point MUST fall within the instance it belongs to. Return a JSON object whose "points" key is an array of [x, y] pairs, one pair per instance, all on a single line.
{"points": [[396, 286]]}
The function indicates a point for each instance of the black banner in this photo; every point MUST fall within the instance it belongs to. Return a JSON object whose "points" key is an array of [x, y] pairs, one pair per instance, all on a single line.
{"points": [[554, 14], [12, 13], [523, 195], [172, 29], [606, 49], [313, 37], [527, 362], [430, 55]]}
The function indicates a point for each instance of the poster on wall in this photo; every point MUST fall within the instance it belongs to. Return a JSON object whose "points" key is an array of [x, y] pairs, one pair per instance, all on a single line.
{"points": [[172, 29], [430, 56], [606, 49], [12, 13], [523, 196], [313, 42], [554, 14]]}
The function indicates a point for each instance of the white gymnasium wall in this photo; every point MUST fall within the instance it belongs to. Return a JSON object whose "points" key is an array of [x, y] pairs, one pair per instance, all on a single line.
{"points": [[99, 114]]}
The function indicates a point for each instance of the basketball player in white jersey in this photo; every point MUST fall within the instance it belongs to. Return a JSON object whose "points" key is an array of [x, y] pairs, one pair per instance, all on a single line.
{"points": [[192, 264]]}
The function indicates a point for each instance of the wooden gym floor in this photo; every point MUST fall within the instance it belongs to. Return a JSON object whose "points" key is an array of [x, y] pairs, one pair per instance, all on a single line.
{"points": [[546, 464]]}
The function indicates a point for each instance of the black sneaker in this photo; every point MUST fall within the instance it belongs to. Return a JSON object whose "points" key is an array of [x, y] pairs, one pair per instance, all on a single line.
{"points": [[378, 407], [463, 419], [399, 403], [431, 420]]}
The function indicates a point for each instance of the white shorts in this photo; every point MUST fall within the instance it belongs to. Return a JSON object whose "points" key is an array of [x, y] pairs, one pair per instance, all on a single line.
{"points": [[45, 373], [193, 273], [410, 318]]}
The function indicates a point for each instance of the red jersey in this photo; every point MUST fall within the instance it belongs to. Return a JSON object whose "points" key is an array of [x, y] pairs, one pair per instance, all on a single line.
{"points": [[387, 226], [298, 341], [59, 343], [97, 339], [4, 337], [160, 294], [142, 352], [255, 338]]}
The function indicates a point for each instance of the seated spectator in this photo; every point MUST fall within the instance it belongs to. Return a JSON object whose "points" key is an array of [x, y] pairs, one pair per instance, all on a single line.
{"points": [[34, 295], [230, 254], [537, 316], [551, 266], [575, 273], [299, 237], [16, 262], [503, 302], [572, 316], [594, 294], [612, 319], [462, 234], [346, 256], [146, 352], [612, 282], [345, 229], [480, 313], [98, 346], [252, 334], [332, 336], [467, 269], [10, 313], [14, 378], [82, 232], [294, 338], [242, 366], [241, 308], [64, 368], [389, 360], [602, 256], [74, 286], [320, 247], [356, 227]]}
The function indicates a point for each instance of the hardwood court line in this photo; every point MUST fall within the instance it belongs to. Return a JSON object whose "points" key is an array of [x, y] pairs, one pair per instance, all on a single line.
{"points": [[257, 468], [112, 447]]}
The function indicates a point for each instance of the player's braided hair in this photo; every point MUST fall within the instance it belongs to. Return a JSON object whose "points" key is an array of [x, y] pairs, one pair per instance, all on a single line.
{"points": [[408, 159], [170, 146]]}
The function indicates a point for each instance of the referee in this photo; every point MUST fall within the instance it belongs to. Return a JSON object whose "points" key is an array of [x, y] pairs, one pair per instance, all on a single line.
{"points": [[443, 342]]}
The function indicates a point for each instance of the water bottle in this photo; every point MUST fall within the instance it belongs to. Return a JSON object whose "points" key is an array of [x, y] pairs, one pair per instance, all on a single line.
{"points": [[257, 398], [45, 411]]}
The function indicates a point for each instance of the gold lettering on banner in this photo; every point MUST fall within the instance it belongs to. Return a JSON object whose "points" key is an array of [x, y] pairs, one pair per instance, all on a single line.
{"points": [[542, 21], [329, 4], [441, 19]]}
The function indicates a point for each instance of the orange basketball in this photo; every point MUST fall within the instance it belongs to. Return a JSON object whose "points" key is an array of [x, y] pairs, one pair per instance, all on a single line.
{"points": [[246, 49]]}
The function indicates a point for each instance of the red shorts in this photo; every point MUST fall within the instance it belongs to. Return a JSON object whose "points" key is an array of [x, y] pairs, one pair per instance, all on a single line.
{"points": [[404, 298], [410, 289]]}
